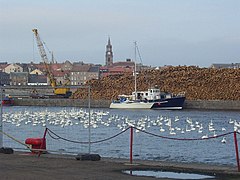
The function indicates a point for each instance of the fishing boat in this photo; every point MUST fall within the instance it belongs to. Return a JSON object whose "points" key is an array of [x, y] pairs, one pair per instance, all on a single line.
{"points": [[153, 98], [129, 101], [162, 100], [7, 101]]}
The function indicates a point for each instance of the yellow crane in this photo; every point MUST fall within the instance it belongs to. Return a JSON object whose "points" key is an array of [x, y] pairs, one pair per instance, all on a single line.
{"points": [[58, 91]]}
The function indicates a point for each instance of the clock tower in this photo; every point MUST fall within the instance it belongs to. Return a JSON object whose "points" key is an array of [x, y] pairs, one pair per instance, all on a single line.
{"points": [[109, 54]]}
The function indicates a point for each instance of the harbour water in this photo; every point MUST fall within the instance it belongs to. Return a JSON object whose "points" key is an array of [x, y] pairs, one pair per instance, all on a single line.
{"points": [[187, 129]]}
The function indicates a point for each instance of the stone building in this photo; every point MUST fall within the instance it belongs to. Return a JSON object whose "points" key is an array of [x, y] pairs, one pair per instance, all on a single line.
{"points": [[81, 74]]}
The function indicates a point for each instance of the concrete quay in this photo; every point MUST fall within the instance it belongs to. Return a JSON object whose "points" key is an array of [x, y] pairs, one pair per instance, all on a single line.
{"points": [[189, 104], [22, 165]]}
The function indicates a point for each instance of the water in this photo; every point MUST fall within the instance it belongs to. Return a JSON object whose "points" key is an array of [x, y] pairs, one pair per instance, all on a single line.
{"points": [[72, 124], [166, 174]]}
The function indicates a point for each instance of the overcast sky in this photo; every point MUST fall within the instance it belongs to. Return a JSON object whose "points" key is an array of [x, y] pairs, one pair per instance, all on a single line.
{"points": [[168, 32]]}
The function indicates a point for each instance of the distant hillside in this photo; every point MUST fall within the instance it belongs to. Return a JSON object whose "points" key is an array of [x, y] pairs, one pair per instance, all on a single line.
{"points": [[197, 83]]}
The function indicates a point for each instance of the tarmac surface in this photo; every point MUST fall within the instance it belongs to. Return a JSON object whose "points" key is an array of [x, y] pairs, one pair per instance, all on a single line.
{"points": [[22, 165]]}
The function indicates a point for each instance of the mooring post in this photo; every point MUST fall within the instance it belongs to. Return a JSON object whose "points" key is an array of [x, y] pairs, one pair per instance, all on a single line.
{"points": [[131, 144], [236, 148], [43, 142]]}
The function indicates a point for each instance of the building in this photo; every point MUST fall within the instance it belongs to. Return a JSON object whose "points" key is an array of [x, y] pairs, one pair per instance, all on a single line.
{"points": [[82, 73], [4, 78], [232, 65], [18, 78], [3, 65], [37, 80], [13, 68], [109, 54], [67, 66], [93, 73], [121, 67], [37, 72]]}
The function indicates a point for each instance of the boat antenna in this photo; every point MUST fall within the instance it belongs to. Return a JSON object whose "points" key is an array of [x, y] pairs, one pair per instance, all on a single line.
{"points": [[140, 57], [135, 68]]}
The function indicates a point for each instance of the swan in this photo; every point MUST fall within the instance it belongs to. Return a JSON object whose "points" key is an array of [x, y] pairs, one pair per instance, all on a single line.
{"points": [[205, 136], [182, 131], [176, 118], [231, 121], [172, 132], [211, 123], [187, 130], [224, 140], [161, 129]]}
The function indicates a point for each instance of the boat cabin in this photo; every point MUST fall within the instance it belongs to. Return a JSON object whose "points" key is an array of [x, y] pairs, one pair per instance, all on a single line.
{"points": [[150, 94]]}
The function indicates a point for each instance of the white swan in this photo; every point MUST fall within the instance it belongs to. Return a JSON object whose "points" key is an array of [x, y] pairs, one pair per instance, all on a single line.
{"points": [[224, 140]]}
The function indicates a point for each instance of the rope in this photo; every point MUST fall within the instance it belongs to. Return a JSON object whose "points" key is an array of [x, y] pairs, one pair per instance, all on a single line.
{"points": [[26, 145], [111, 137], [56, 138], [84, 142], [184, 139], [11, 137]]}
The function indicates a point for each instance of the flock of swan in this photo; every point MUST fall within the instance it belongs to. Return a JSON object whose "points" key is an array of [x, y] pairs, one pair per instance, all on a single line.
{"points": [[97, 118]]}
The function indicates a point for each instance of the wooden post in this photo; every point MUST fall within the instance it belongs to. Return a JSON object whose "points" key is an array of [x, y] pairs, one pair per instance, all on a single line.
{"points": [[236, 148]]}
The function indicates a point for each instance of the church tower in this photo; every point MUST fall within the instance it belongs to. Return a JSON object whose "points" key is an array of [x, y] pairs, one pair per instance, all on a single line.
{"points": [[109, 54]]}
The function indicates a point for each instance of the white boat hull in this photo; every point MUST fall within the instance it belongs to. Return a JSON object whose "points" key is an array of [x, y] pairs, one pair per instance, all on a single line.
{"points": [[131, 105]]}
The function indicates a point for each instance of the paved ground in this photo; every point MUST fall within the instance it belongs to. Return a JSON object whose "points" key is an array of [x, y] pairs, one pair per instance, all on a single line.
{"points": [[24, 166]]}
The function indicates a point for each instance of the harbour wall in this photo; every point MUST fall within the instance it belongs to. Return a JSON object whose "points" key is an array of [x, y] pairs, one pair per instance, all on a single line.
{"points": [[212, 105], [189, 104]]}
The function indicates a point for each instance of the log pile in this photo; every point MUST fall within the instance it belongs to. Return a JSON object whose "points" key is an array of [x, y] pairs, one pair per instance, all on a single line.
{"points": [[197, 83]]}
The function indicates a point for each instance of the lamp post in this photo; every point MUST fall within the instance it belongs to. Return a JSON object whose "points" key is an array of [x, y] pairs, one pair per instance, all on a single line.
{"points": [[89, 120], [1, 124]]}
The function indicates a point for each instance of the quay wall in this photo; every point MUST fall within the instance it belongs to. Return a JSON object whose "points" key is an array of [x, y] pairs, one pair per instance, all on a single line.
{"points": [[212, 105], [189, 104]]}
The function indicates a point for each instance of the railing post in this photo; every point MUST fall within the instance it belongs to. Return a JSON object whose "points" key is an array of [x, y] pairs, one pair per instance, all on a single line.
{"points": [[131, 144], [236, 148]]}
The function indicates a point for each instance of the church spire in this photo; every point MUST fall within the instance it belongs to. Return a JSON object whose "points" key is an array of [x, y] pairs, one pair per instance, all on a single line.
{"points": [[109, 54]]}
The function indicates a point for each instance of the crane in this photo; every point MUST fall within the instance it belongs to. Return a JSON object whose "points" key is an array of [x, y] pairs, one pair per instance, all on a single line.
{"points": [[58, 91]]}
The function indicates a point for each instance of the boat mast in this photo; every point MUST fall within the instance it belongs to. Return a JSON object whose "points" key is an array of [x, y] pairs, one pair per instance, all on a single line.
{"points": [[135, 69]]}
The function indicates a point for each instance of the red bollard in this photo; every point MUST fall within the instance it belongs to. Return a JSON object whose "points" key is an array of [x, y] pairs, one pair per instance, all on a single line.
{"points": [[44, 142], [131, 144], [236, 148]]}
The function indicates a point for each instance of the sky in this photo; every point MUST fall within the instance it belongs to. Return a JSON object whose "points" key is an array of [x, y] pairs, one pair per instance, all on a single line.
{"points": [[167, 32]]}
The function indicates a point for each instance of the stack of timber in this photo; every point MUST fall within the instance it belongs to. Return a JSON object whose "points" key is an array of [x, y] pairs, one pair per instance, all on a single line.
{"points": [[197, 83]]}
